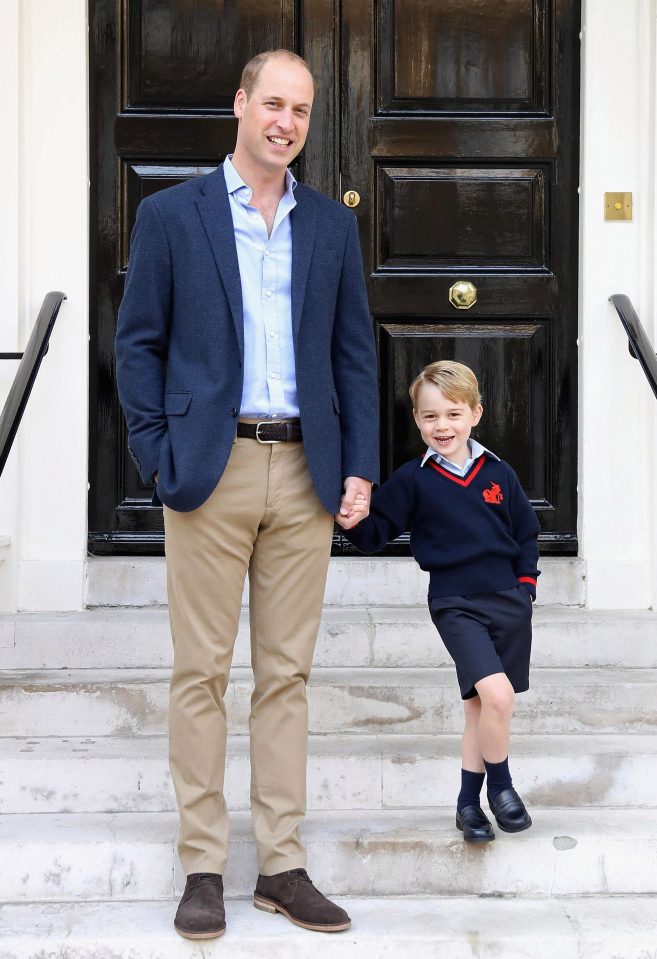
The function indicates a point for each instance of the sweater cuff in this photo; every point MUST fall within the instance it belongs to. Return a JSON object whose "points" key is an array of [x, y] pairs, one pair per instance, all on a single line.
{"points": [[529, 583]]}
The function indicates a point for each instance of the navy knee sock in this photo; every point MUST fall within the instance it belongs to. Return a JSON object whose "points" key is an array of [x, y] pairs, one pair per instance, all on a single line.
{"points": [[471, 784], [498, 777]]}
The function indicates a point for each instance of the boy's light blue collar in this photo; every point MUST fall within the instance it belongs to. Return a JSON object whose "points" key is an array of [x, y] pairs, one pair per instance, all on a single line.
{"points": [[234, 181], [476, 449]]}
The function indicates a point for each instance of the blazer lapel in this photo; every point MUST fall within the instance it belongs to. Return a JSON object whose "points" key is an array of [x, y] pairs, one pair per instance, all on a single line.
{"points": [[303, 242], [214, 207]]}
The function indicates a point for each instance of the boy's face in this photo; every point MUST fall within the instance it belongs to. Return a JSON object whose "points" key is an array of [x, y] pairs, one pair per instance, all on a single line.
{"points": [[445, 424]]}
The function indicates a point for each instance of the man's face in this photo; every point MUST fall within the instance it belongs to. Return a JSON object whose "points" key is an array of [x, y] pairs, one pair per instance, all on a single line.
{"points": [[273, 121]]}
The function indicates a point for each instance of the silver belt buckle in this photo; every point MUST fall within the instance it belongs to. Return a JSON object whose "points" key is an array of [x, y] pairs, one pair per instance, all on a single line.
{"points": [[264, 442]]}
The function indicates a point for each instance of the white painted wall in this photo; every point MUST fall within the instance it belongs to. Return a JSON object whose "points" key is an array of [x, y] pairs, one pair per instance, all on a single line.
{"points": [[44, 245], [617, 408], [9, 282], [47, 565]]}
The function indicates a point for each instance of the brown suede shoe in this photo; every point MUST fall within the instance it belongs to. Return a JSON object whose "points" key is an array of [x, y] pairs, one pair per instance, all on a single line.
{"points": [[201, 911], [293, 894]]}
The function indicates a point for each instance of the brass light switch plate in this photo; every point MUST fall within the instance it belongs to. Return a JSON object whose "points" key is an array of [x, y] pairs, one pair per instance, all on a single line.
{"points": [[618, 206]]}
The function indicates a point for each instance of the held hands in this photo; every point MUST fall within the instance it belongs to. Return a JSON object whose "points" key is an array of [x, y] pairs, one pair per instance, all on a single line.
{"points": [[355, 503]]}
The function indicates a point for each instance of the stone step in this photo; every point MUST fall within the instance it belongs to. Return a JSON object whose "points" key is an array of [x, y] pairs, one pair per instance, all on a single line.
{"points": [[385, 853], [78, 775], [413, 701], [606, 927], [384, 637], [352, 581]]}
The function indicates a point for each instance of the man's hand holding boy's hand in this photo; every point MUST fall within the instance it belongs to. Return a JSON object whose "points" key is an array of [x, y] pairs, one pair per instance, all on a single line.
{"points": [[355, 503]]}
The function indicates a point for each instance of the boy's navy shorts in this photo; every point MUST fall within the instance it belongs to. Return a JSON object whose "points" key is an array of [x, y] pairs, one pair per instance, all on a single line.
{"points": [[486, 633]]}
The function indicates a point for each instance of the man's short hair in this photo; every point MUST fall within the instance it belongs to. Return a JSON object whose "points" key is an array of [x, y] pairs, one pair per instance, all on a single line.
{"points": [[251, 71], [455, 380]]}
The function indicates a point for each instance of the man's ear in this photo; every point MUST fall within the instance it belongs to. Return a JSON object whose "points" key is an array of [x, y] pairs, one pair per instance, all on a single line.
{"points": [[477, 414], [415, 417], [240, 101]]}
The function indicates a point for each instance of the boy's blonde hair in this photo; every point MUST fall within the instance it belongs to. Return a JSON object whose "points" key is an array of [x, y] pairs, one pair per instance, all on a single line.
{"points": [[455, 380]]}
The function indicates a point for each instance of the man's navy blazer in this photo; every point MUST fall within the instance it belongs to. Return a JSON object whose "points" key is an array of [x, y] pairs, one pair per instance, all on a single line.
{"points": [[180, 342]]}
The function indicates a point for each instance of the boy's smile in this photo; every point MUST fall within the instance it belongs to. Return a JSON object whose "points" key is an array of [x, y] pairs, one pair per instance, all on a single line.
{"points": [[444, 424]]}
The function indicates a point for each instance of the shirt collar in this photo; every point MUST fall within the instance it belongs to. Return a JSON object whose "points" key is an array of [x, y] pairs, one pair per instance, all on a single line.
{"points": [[236, 184], [476, 449]]}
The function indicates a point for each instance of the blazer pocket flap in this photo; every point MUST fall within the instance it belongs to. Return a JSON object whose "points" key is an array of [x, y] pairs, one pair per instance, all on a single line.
{"points": [[175, 404], [336, 401]]}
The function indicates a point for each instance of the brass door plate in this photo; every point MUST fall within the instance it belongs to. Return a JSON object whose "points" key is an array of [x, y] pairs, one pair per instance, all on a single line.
{"points": [[463, 294], [618, 206]]}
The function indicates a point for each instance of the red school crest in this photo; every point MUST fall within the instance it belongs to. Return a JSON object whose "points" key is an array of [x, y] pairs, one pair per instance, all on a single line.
{"points": [[494, 494]]}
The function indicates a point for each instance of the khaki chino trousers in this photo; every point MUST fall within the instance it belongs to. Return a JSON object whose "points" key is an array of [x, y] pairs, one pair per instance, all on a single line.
{"points": [[264, 517]]}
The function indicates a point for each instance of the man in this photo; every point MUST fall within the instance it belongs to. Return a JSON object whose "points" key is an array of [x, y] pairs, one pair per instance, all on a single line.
{"points": [[246, 370]]}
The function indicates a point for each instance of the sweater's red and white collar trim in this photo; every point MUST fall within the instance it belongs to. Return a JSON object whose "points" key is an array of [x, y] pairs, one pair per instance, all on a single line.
{"points": [[476, 449], [457, 479]]}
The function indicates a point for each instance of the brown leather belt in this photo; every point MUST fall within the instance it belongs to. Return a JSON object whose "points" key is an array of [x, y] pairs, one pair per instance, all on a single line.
{"points": [[268, 431]]}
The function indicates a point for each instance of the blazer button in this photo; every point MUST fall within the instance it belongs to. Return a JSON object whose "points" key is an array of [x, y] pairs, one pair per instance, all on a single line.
{"points": [[233, 411]]}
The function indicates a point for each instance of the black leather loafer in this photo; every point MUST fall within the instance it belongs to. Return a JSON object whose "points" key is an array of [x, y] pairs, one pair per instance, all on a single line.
{"points": [[293, 894], [474, 824], [201, 913], [509, 811]]}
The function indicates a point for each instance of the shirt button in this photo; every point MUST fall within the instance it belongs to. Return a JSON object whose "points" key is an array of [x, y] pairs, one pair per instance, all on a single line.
{"points": [[267, 253], [233, 411], [268, 293]]}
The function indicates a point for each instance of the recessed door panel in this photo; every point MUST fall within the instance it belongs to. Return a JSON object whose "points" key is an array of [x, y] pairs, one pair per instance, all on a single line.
{"points": [[138, 180], [476, 217], [515, 405], [189, 53], [466, 57]]}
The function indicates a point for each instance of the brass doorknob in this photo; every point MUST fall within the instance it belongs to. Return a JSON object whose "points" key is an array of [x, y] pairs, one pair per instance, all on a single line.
{"points": [[463, 294], [351, 198]]}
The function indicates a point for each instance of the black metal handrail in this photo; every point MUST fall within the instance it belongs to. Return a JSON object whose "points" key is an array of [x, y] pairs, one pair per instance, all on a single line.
{"points": [[26, 373], [638, 343]]}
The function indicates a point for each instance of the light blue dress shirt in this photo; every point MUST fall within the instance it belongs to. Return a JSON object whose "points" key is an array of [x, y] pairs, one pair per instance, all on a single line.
{"points": [[476, 449], [270, 382]]}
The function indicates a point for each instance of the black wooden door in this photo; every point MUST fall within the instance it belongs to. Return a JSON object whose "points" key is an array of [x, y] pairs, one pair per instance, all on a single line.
{"points": [[163, 75], [460, 133], [457, 124]]}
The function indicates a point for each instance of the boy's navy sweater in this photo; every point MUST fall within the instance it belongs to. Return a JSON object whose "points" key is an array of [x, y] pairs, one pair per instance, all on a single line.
{"points": [[473, 535]]}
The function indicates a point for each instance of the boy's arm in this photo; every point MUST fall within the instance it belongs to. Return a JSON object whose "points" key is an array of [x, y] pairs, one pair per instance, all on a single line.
{"points": [[391, 512], [526, 528]]}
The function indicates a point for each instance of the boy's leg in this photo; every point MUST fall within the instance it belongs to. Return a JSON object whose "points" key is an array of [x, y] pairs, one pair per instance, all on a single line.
{"points": [[464, 631], [470, 818], [497, 702], [471, 757]]}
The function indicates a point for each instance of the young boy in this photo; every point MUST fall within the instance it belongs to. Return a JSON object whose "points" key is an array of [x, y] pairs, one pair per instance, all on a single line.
{"points": [[475, 532]]}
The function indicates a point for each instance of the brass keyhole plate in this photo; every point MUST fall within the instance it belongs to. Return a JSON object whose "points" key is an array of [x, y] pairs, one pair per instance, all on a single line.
{"points": [[351, 198]]}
